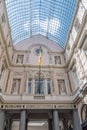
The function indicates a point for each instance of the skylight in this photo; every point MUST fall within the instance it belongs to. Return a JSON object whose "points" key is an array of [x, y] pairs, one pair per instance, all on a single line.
{"points": [[51, 18]]}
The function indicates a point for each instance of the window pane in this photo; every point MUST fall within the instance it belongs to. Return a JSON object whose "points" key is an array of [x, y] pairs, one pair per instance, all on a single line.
{"points": [[49, 86], [39, 86], [29, 86], [76, 79]]}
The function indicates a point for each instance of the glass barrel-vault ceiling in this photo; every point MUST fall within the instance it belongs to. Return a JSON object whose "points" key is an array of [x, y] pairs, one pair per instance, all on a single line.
{"points": [[51, 18]]}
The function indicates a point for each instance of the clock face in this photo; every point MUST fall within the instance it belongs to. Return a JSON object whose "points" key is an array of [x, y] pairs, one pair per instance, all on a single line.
{"points": [[38, 51], [84, 112]]}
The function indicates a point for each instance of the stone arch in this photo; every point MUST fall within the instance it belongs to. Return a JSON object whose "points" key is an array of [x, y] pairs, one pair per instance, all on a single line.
{"points": [[37, 45]]}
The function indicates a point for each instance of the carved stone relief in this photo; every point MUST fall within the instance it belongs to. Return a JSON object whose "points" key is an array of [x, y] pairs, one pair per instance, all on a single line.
{"points": [[18, 73]]}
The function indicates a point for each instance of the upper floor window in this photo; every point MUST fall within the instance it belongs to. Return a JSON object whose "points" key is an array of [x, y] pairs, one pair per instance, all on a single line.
{"points": [[3, 69], [2, 72], [68, 47], [77, 24], [57, 60], [29, 86], [39, 86], [61, 86], [85, 52], [20, 59], [16, 86], [3, 20], [9, 44], [76, 78], [49, 86]]}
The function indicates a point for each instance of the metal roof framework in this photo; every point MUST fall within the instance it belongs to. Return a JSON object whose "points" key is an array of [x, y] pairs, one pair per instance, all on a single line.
{"points": [[51, 18]]}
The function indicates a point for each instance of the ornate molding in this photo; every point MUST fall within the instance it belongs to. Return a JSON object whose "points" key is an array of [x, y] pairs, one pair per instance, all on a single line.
{"points": [[37, 106]]}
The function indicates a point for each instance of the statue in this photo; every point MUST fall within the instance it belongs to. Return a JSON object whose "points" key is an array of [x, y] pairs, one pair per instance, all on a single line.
{"points": [[61, 85], [15, 86], [20, 59], [57, 60]]}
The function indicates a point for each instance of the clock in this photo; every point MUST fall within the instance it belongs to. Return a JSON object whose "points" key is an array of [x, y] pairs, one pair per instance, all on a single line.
{"points": [[38, 51], [84, 112]]}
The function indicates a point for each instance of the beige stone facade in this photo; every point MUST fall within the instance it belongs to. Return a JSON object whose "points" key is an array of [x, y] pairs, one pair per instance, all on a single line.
{"points": [[63, 74]]}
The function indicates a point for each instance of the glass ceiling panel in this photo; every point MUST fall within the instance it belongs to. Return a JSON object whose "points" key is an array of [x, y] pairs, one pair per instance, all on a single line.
{"points": [[51, 18]]}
